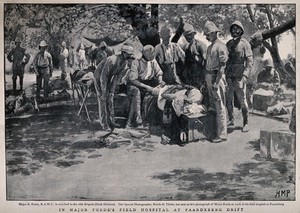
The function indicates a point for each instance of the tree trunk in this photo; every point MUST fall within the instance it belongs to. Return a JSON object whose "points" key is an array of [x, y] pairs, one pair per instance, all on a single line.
{"points": [[285, 76], [261, 37], [278, 64]]}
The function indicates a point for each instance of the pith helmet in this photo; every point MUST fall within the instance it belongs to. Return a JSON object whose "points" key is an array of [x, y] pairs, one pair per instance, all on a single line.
{"points": [[268, 63], [128, 48], [43, 44], [188, 29], [239, 24], [210, 27]]}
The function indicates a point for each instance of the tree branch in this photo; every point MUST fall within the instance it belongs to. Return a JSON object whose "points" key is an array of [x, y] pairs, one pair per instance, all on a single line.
{"points": [[48, 25], [86, 24], [293, 31], [267, 45], [266, 34], [269, 15], [154, 15], [248, 6]]}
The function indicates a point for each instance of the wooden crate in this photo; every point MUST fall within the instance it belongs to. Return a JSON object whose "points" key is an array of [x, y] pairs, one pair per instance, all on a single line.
{"points": [[194, 128], [278, 144]]}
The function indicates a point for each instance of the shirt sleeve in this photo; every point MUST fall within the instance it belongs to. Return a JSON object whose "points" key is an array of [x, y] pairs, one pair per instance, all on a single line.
{"points": [[98, 70], [65, 53], [105, 75], [202, 48], [158, 52], [27, 57], [223, 55], [249, 59], [180, 53], [35, 60], [9, 57], [157, 69], [133, 73], [50, 62]]}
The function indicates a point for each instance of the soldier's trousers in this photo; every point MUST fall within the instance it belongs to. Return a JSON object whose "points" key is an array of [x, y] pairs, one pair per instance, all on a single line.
{"points": [[18, 72], [134, 116], [44, 75], [217, 101], [105, 107], [63, 66], [101, 105], [239, 87]]}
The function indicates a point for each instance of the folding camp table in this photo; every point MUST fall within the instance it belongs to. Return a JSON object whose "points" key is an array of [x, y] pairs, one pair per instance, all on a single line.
{"points": [[83, 90]]}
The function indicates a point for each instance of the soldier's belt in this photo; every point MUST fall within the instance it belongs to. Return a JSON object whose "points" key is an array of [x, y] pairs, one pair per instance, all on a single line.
{"points": [[212, 72]]}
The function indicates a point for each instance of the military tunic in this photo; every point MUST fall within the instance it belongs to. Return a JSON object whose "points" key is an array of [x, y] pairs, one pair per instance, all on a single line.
{"points": [[239, 65], [217, 56]]}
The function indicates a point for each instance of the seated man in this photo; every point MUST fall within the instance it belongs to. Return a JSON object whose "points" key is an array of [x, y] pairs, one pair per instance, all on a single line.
{"points": [[145, 74], [290, 67], [268, 77]]}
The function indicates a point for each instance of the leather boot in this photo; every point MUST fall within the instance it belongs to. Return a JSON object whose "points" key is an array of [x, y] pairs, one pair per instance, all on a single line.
{"points": [[21, 84], [245, 120], [14, 86]]}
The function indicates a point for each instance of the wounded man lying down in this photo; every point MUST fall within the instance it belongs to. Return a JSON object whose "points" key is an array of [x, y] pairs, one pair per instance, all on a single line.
{"points": [[177, 101], [185, 99]]}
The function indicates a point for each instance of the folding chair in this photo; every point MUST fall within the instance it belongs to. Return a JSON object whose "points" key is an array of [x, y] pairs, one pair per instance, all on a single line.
{"points": [[82, 93]]}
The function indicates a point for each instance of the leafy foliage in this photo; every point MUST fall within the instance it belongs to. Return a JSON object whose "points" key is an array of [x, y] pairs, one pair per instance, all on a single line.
{"points": [[223, 15], [69, 22]]}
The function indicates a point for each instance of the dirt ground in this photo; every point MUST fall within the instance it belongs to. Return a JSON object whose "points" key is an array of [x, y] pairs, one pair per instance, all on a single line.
{"points": [[55, 155]]}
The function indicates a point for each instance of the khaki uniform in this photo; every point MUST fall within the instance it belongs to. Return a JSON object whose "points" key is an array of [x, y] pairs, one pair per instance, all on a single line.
{"points": [[19, 58], [239, 64], [217, 54], [43, 67], [63, 60], [108, 75]]}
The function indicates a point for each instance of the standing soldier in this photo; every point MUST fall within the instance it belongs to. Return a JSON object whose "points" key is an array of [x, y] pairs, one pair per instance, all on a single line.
{"points": [[71, 58], [43, 67], [81, 57], [19, 58], [101, 53], [167, 54], [109, 75], [217, 56], [195, 56], [64, 54], [238, 69]]}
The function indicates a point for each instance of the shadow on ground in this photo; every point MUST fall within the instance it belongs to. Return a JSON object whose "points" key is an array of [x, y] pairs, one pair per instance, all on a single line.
{"points": [[241, 184], [62, 138]]}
